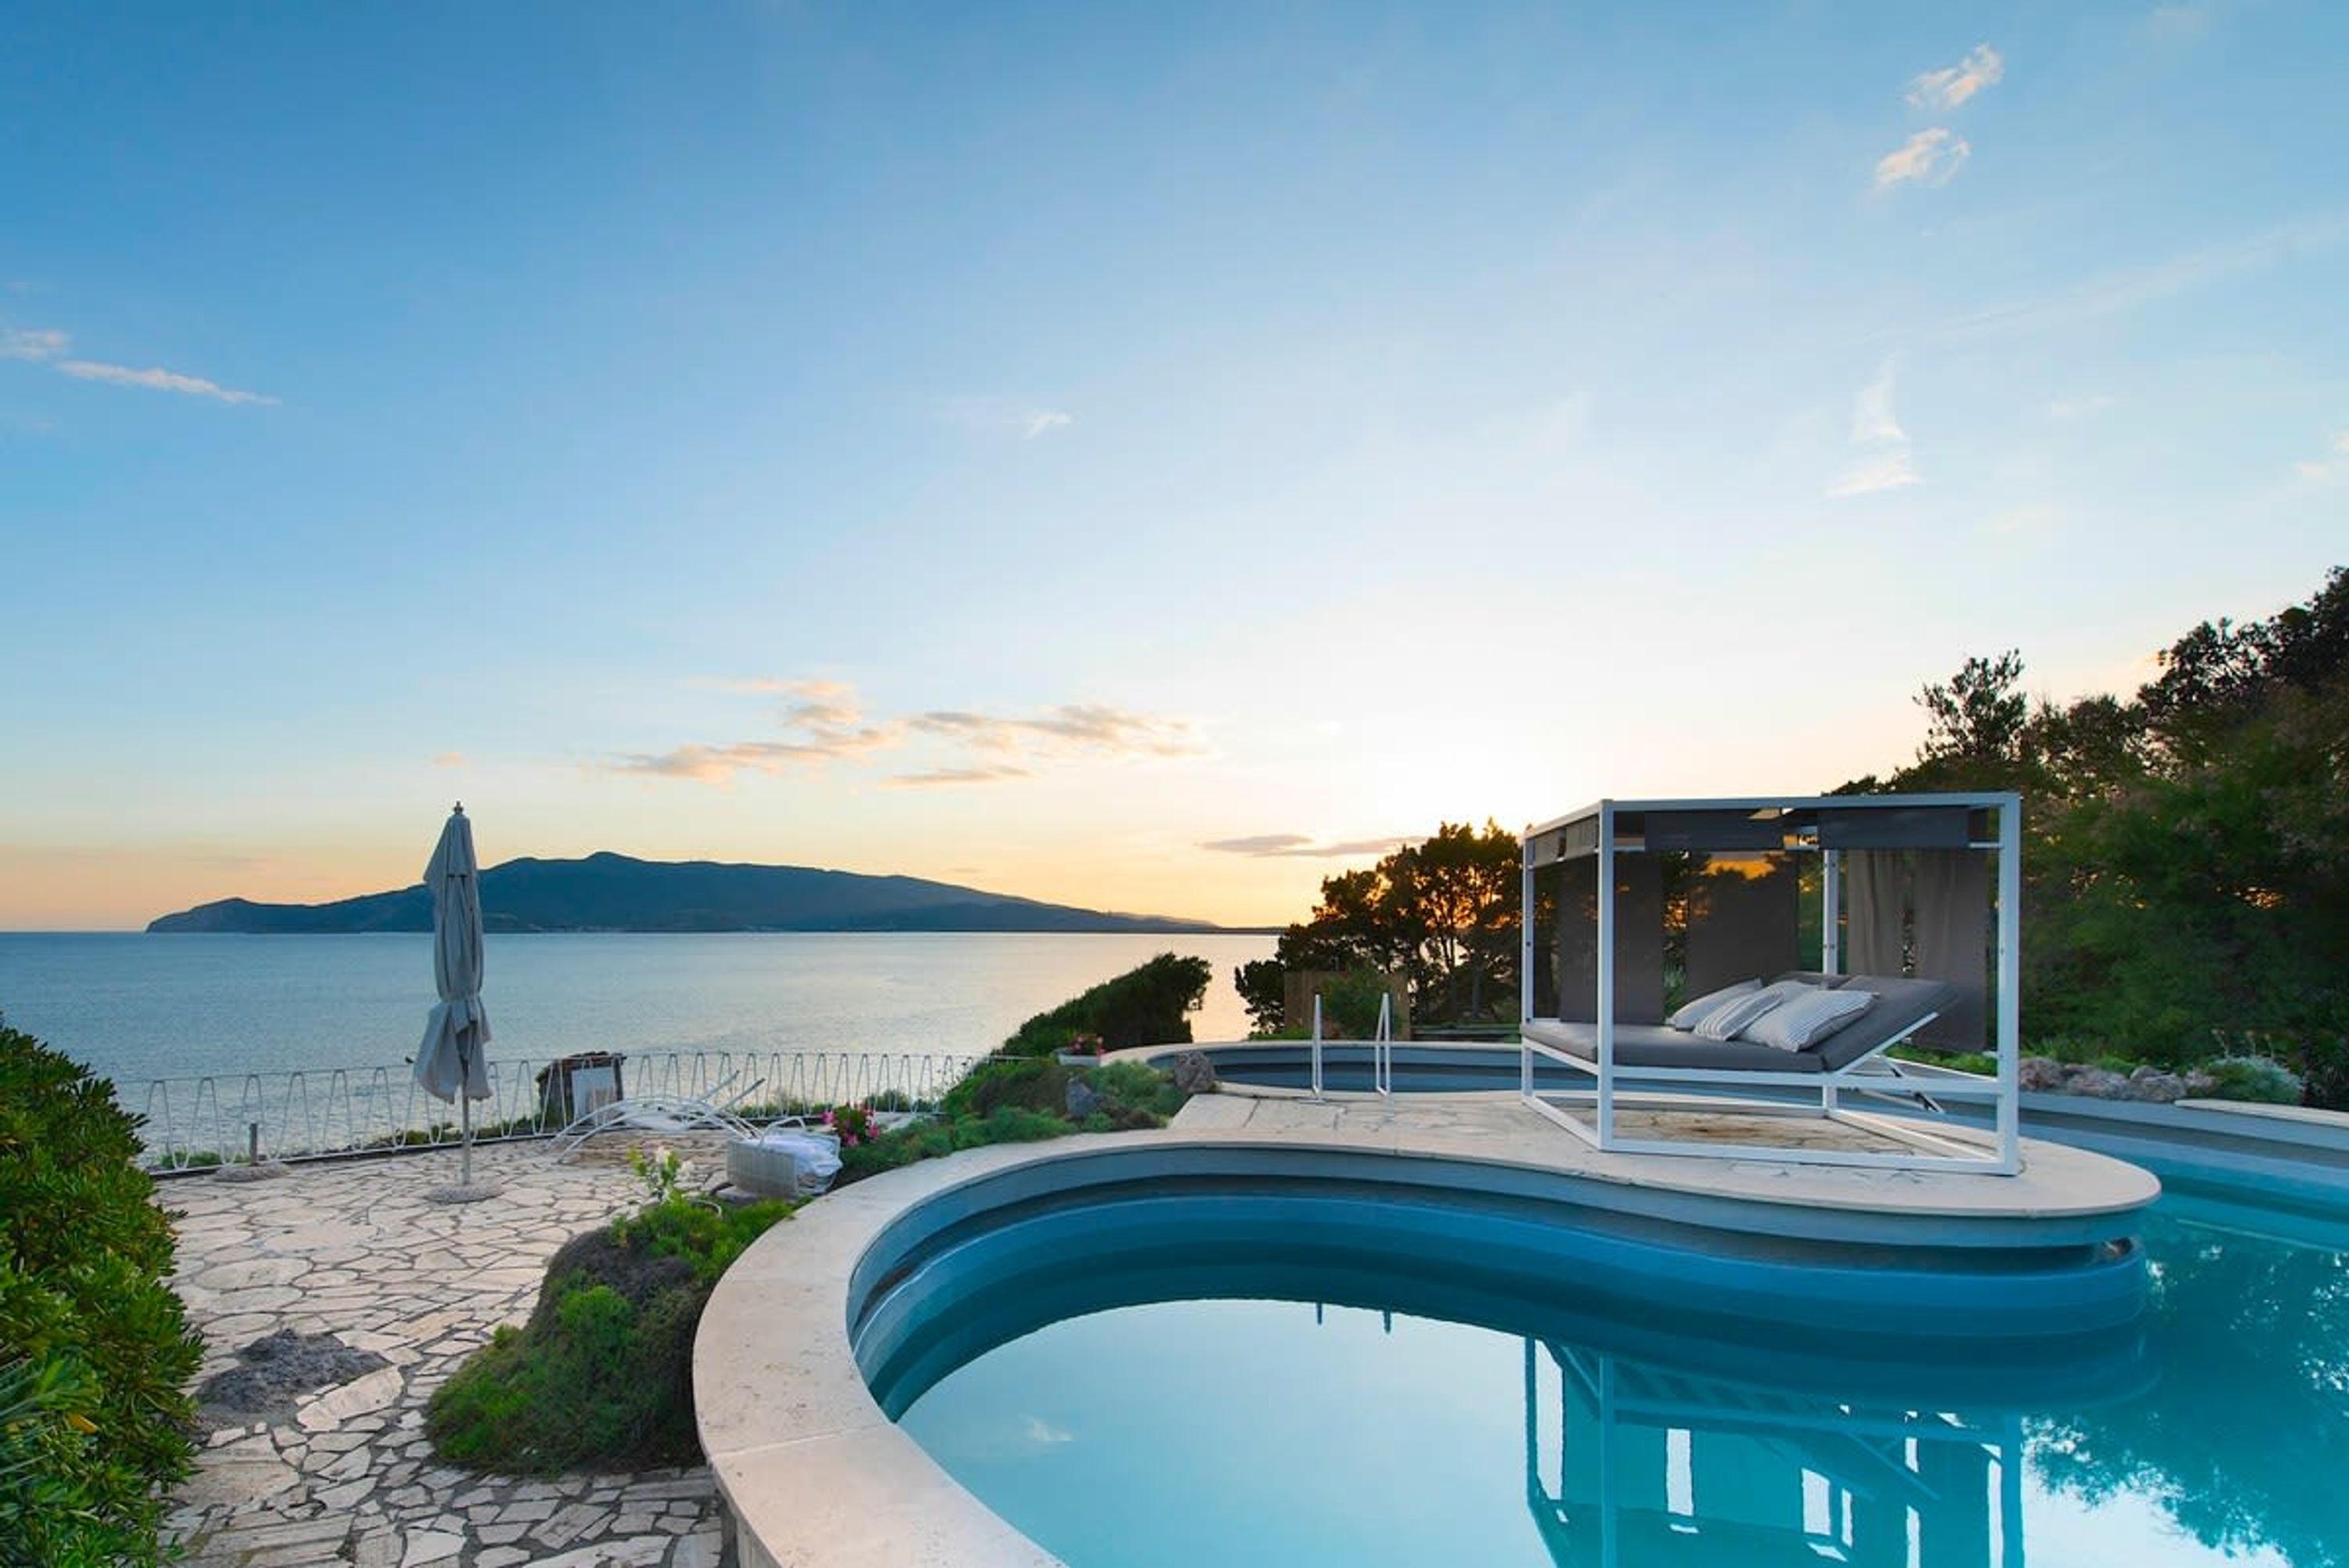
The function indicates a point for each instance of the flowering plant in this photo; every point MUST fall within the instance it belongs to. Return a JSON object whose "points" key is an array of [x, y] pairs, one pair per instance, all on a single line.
{"points": [[853, 1123], [1085, 1045]]}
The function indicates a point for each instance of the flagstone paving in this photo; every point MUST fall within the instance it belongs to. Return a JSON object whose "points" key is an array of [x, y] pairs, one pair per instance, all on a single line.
{"points": [[356, 1249]]}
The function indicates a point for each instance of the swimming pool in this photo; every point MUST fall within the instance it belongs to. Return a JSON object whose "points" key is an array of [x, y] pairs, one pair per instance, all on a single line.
{"points": [[1259, 1386]]}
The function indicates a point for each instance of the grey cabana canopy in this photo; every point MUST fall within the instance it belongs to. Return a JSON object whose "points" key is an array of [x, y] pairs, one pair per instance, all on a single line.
{"points": [[1901, 890]]}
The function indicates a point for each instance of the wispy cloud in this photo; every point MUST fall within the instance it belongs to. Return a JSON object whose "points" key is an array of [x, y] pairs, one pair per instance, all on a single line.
{"points": [[1072, 726], [1301, 846], [2135, 288], [2069, 408], [33, 343], [450, 759], [946, 777], [1931, 156], [1885, 463], [1007, 416], [1872, 418], [1872, 476], [1946, 89], [825, 722], [2333, 465], [157, 380], [47, 346]]}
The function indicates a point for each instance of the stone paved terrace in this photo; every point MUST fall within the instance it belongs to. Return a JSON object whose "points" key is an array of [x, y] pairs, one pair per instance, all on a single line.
{"points": [[354, 1248]]}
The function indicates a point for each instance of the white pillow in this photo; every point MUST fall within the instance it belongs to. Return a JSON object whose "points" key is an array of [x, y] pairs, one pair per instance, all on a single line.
{"points": [[1690, 1014], [1805, 1021], [1739, 1012]]}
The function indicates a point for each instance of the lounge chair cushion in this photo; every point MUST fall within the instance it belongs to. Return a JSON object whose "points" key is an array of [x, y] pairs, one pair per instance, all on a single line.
{"points": [[1901, 1006], [1689, 1015], [1802, 1022], [1657, 1046]]}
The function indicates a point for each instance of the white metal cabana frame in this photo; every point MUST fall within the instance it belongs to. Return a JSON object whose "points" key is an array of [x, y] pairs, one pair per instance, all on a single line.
{"points": [[1609, 828]]}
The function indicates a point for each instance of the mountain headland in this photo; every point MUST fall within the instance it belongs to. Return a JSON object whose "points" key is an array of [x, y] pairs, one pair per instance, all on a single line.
{"points": [[609, 892]]}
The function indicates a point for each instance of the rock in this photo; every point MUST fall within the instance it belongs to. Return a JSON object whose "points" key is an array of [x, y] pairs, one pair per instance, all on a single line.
{"points": [[1193, 1073], [2039, 1075], [281, 1366], [2098, 1083], [2199, 1084], [1082, 1099], [2154, 1086]]}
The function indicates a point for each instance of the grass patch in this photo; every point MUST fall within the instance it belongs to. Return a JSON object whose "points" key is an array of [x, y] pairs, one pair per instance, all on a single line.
{"points": [[600, 1378]]}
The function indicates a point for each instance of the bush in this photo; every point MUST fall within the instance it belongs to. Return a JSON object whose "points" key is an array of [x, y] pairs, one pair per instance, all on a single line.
{"points": [[1350, 1002], [2324, 1068], [94, 1350], [602, 1374], [1148, 1006], [2254, 1079]]}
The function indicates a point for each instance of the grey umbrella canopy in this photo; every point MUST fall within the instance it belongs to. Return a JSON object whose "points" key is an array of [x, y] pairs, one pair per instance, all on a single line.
{"points": [[451, 1060]]}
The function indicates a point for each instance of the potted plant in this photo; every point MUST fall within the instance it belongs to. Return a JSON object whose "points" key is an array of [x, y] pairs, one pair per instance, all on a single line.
{"points": [[1082, 1051]]}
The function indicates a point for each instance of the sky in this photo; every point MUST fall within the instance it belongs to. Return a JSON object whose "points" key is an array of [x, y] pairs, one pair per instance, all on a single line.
{"points": [[1150, 457]]}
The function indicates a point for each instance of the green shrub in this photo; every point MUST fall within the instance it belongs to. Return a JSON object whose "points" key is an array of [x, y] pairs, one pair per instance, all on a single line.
{"points": [[1138, 1087], [94, 1350], [602, 1374], [1147, 1005], [1350, 1002], [2325, 1069], [1034, 1083], [2254, 1079]]}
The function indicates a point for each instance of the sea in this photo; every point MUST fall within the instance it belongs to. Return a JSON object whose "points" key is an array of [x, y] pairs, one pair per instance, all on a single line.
{"points": [[137, 1007]]}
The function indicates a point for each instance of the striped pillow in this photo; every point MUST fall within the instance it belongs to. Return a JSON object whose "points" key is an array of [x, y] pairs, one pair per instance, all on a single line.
{"points": [[1738, 1013], [1804, 1021], [1689, 1015]]}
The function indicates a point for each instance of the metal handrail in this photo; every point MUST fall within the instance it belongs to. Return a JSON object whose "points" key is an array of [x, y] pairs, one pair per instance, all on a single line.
{"points": [[1381, 1050]]}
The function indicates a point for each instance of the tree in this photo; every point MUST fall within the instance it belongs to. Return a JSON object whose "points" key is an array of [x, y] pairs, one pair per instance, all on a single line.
{"points": [[2185, 852], [1442, 913]]}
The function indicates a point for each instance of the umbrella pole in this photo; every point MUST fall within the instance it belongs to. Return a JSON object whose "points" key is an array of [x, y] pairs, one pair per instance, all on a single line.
{"points": [[465, 1114]]}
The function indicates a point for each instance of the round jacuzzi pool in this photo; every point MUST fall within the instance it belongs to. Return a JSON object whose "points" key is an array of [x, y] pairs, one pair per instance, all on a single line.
{"points": [[1305, 1373], [1207, 1355]]}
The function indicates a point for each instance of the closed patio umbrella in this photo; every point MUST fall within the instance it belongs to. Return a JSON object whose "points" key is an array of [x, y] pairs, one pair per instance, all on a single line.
{"points": [[450, 1063]]}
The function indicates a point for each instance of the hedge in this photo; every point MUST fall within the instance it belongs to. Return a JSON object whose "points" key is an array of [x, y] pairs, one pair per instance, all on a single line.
{"points": [[94, 1350]]}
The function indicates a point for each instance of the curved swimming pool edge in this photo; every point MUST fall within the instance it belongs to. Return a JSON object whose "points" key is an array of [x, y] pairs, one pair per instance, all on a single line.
{"points": [[812, 1469]]}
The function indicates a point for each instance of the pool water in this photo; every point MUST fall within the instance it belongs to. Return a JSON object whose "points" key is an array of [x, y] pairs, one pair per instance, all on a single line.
{"points": [[1243, 1430]]}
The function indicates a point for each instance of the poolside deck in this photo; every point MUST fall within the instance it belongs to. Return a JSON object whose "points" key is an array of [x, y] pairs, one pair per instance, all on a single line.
{"points": [[2057, 1182]]}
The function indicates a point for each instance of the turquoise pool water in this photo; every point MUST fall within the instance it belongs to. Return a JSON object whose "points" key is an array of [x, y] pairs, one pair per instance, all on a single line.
{"points": [[1272, 1413]]}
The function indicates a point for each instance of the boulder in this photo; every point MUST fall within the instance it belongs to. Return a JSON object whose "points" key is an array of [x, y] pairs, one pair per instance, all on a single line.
{"points": [[2150, 1084], [1082, 1099], [2097, 1083], [1193, 1073], [2039, 1075]]}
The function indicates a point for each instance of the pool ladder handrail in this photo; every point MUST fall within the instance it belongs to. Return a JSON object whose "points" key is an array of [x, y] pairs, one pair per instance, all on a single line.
{"points": [[1382, 1048]]}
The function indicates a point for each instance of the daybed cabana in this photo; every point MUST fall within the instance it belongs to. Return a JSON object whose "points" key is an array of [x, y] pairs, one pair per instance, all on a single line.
{"points": [[1916, 904]]}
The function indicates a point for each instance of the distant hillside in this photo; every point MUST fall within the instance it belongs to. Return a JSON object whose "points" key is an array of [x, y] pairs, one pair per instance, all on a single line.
{"points": [[614, 892]]}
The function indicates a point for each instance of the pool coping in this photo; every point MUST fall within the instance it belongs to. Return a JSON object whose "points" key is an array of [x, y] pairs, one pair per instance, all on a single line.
{"points": [[814, 1471]]}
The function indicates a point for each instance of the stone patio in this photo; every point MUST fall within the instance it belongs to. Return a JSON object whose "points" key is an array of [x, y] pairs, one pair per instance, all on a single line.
{"points": [[356, 1249]]}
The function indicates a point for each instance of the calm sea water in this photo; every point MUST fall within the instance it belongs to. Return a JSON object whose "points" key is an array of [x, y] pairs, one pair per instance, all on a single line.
{"points": [[136, 1006]]}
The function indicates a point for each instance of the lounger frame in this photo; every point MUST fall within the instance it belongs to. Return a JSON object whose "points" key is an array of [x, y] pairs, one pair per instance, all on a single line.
{"points": [[1616, 1084]]}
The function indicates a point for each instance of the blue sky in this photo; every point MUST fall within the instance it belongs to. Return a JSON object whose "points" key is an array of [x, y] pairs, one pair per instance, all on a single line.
{"points": [[1035, 446]]}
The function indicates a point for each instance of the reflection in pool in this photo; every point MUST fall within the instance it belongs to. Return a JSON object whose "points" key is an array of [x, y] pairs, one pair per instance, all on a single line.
{"points": [[1524, 1431]]}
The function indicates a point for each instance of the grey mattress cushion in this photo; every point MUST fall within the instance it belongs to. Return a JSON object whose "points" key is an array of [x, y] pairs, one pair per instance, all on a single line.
{"points": [[1900, 1004], [1656, 1045]]}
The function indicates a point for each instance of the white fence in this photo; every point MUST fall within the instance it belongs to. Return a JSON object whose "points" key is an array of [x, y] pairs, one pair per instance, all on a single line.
{"points": [[193, 1122]]}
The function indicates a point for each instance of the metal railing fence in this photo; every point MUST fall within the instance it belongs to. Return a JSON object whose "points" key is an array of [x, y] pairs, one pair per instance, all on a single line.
{"points": [[199, 1123]]}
